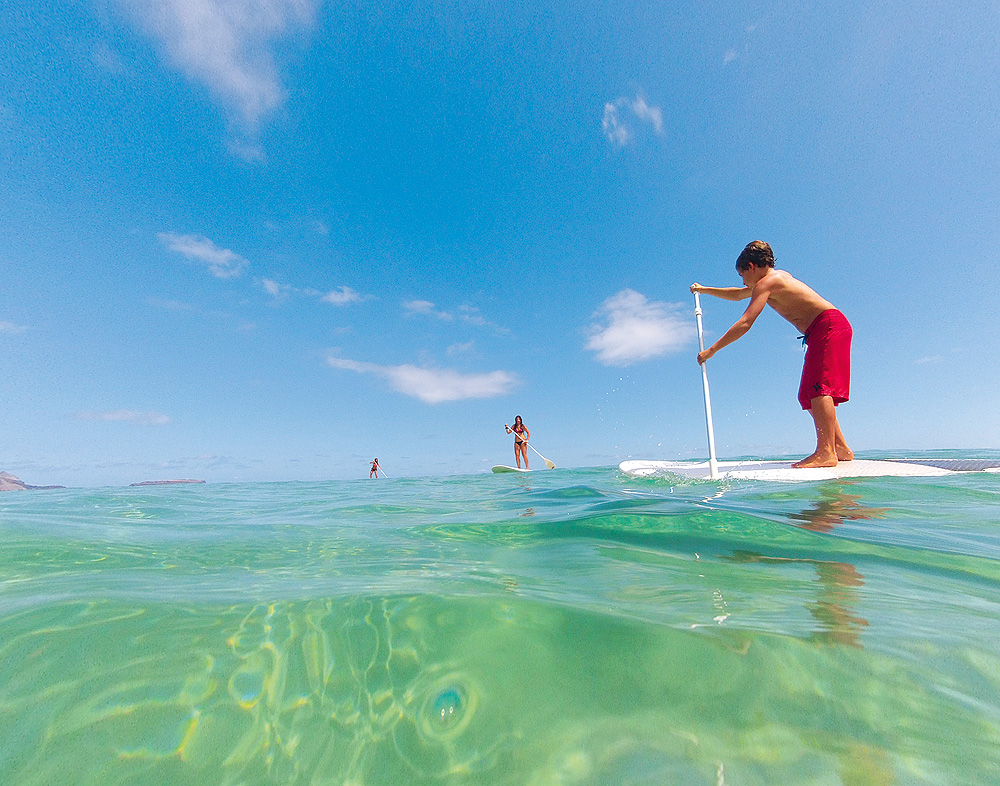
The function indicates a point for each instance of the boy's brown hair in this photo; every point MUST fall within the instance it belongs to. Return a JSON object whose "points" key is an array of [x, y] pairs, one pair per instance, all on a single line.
{"points": [[757, 253]]}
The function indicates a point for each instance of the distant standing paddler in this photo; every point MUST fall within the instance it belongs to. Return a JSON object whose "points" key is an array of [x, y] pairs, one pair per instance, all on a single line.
{"points": [[521, 437], [375, 469]]}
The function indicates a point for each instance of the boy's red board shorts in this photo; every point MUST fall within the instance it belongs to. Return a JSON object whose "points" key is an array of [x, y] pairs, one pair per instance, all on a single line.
{"points": [[827, 367]]}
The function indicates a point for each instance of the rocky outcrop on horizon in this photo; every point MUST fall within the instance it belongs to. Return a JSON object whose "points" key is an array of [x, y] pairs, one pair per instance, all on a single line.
{"points": [[10, 482]]}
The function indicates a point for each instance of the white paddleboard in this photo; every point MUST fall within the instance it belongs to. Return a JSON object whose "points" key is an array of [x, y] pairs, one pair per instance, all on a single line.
{"points": [[505, 468], [784, 472]]}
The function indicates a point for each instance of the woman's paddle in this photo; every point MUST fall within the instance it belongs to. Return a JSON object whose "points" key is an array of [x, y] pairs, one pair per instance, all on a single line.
{"points": [[548, 463]]}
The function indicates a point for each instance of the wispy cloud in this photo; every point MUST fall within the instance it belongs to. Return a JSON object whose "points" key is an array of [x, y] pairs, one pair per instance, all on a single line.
{"points": [[431, 385], [616, 132], [227, 46], [10, 327], [426, 308], [221, 262], [632, 328], [739, 53], [126, 416], [340, 296], [619, 116], [469, 315], [274, 289], [651, 114], [108, 59], [172, 305]]}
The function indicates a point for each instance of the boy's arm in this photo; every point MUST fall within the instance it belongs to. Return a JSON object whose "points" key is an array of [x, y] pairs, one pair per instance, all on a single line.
{"points": [[726, 293], [742, 325]]}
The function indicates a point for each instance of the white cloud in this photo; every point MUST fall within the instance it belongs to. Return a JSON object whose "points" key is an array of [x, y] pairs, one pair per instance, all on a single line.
{"points": [[221, 262], [469, 315], [460, 349], [637, 329], [337, 297], [426, 308], [614, 130], [273, 288], [433, 386], [342, 296], [126, 416], [10, 327], [247, 149], [226, 45], [617, 115], [171, 305], [651, 114], [739, 53], [108, 59]]}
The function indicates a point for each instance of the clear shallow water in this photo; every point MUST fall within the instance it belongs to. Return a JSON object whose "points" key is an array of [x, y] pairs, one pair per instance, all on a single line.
{"points": [[566, 627]]}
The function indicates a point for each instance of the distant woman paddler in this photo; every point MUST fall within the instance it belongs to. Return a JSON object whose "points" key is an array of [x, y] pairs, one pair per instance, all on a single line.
{"points": [[521, 437], [374, 470]]}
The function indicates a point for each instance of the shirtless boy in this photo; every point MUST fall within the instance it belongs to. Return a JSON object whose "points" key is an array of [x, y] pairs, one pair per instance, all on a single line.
{"points": [[826, 372]]}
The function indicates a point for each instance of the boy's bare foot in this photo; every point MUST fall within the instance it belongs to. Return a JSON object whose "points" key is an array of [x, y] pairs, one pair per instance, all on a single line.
{"points": [[816, 460], [845, 454]]}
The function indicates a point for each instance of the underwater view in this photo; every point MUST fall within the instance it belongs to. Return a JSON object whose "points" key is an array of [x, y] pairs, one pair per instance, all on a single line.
{"points": [[562, 627]]}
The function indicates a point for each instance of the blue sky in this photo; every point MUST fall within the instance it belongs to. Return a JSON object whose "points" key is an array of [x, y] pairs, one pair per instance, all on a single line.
{"points": [[272, 239]]}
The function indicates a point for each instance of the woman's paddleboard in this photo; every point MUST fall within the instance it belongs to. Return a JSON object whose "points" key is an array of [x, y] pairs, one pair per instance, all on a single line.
{"points": [[505, 468]]}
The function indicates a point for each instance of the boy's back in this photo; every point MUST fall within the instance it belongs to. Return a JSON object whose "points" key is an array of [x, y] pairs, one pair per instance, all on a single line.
{"points": [[792, 299]]}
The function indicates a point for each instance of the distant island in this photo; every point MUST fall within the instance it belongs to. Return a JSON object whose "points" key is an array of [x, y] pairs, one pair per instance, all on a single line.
{"points": [[165, 482], [9, 482]]}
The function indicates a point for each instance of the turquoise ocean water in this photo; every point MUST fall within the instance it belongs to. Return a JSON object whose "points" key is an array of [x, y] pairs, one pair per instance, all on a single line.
{"points": [[564, 627]]}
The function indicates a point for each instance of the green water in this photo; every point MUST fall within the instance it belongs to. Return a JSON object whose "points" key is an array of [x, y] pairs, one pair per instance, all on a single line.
{"points": [[568, 627]]}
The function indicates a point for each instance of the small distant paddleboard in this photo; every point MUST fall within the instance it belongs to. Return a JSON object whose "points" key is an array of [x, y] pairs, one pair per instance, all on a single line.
{"points": [[505, 468], [783, 471]]}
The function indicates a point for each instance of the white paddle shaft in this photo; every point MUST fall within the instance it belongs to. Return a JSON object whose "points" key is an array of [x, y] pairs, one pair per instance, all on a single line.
{"points": [[713, 464], [548, 463]]}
